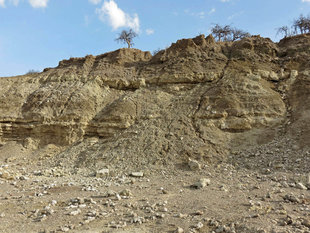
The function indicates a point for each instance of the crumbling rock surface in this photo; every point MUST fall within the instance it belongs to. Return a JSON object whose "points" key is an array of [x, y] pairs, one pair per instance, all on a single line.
{"points": [[193, 99]]}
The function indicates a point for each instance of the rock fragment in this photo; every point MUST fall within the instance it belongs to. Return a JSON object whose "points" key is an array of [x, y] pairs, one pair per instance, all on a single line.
{"points": [[137, 174], [125, 193], [75, 212], [102, 173], [306, 222], [292, 198], [301, 186], [199, 225], [194, 165], [179, 230], [201, 183]]}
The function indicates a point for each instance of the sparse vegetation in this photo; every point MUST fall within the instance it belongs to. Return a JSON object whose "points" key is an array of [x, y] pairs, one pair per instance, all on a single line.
{"points": [[301, 25], [33, 71], [156, 51], [284, 30], [228, 33], [127, 36]]}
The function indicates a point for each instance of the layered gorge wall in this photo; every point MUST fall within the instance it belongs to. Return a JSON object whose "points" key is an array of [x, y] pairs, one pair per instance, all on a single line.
{"points": [[197, 98]]}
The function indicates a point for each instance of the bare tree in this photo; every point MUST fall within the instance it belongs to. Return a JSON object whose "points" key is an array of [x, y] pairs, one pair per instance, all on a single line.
{"points": [[302, 24], [307, 24], [126, 37], [227, 33], [284, 30], [226, 30], [217, 32], [238, 34]]}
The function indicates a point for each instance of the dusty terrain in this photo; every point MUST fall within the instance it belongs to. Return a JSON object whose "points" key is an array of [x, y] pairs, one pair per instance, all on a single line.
{"points": [[204, 136]]}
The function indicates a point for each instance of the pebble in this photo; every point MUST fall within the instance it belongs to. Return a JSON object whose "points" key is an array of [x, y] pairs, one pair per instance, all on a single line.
{"points": [[23, 178], [301, 186], [306, 222], [75, 212], [102, 173], [194, 165], [201, 183], [180, 215], [223, 188], [199, 225], [160, 215], [292, 198], [125, 193], [53, 202], [137, 174], [179, 230], [118, 197], [89, 219], [199, 212], [64, 229]]}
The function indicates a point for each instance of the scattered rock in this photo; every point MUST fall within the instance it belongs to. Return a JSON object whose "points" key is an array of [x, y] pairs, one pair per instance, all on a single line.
{"points": [[24, 178], [137, 174], [201, 183], [179, 230], [125, 193], [199, 225], [180, 215], [292, 198], [102, 173], [194, 165], [75, 212], [37, 173], [306, 222], [301, 186], [53, 202], [64, 229], [30, 143]]}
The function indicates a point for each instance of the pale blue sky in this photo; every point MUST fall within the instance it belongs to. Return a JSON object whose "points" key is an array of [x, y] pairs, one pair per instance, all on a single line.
{"points": [[35, 34]]}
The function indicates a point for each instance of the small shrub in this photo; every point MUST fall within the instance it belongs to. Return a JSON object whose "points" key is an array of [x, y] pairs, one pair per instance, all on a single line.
{"points": [[156, 51], [33, 71]]}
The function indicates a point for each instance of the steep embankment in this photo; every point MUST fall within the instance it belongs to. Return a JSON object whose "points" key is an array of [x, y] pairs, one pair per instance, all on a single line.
{"points": [[199, 98]]}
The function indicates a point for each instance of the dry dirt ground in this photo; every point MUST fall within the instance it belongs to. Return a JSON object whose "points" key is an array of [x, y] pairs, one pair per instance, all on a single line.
{"points": [[237, 196]]}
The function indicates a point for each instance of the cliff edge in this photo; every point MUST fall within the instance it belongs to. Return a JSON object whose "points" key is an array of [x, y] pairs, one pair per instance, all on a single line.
{"points": [[198, 98]]}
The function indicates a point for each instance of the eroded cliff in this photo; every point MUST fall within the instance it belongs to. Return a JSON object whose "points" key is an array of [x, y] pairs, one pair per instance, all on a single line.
{"points": [[198, 98]]}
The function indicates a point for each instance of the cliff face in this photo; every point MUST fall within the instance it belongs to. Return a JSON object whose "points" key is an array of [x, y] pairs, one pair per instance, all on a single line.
{"points": [[198, 98]]}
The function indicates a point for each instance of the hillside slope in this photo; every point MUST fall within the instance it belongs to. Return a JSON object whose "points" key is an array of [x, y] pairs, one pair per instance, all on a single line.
{"points": [[235, 112], [196, 97]]}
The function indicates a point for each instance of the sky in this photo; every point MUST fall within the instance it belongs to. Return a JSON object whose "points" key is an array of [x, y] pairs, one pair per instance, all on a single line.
{"points": [[35, 34]]}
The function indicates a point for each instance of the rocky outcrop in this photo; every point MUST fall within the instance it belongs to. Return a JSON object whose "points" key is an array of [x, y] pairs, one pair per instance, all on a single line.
{"points": [[202, 91], [247, 102]]}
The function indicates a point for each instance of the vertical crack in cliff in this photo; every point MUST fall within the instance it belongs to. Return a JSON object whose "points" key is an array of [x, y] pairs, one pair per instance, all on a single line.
{"points": [[201, 98], [67, 102], [215, 83]]}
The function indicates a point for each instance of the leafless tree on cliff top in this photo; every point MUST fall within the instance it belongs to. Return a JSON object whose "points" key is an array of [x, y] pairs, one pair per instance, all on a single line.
{"points": [[302, 24], [284, 30], [126, 37], [227, 33]]}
